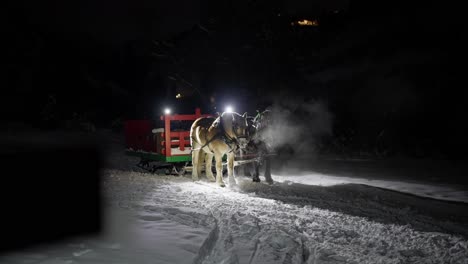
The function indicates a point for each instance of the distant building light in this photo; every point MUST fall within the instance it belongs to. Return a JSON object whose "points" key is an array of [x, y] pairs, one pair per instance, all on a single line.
{"points": [[178, 96], [305, 22]]}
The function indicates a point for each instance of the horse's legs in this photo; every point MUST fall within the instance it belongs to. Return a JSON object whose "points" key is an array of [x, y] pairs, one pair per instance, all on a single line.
{"points": [[238, 170], [241, 170], [230, 167], [256, 173], [268, 170], [201, 159], [219, 169], [208, 164], [195, 163], [246, 170]]}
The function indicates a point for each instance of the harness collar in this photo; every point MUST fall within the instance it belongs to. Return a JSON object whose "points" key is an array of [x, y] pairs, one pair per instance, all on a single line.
{"points": [[232, 142], [227, 139]]}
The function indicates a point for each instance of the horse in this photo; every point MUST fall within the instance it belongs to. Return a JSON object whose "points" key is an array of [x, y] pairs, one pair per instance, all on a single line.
{"points": [[259, 145], [216, 137]]}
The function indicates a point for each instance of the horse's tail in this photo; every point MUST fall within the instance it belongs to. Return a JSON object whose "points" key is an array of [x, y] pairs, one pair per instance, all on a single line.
{"points": [[194, 131]]}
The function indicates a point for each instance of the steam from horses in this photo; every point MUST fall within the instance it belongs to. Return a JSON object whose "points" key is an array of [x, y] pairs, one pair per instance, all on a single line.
{"points": [[297, 126]]}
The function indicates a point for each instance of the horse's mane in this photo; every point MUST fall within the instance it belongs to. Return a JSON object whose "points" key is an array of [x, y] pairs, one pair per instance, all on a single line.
{"points": [[262, 119], [222, 114], [218, 119]]}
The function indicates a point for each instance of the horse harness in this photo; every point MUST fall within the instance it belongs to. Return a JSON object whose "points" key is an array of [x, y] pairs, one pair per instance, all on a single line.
{"points": [[225, 138]]}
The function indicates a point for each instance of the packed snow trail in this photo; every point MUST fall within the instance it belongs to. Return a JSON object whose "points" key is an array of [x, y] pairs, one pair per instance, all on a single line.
{"points": [[167, 219], [291, 223]]}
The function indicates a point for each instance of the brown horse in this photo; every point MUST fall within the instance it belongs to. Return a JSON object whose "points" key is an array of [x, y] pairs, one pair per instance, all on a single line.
{"points": [[212, 137]]}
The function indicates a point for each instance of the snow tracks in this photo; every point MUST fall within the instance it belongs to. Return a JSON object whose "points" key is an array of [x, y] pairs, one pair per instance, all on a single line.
{"points": [[292, 223]]}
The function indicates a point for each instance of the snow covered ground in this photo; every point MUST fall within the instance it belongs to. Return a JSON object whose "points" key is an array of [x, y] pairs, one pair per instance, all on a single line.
{"points": [[441, 191], [444, 180], [169, 219]]}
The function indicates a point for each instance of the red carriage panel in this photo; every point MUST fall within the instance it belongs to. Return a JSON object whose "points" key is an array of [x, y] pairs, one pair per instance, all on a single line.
{"points": [[140, 136]]}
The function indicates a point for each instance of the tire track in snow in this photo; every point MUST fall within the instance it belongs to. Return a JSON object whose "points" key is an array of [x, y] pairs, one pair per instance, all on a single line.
{"points": [[208, 245], [257, 243]]}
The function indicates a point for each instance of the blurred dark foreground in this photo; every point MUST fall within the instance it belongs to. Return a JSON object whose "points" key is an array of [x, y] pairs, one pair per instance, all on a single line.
{"points": [[49, 188]]}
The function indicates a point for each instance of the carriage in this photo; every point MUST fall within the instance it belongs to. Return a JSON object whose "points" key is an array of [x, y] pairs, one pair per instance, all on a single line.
{"points": [[164, 146]]}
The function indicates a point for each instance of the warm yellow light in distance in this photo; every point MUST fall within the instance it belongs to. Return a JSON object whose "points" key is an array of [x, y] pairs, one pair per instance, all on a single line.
{"points": [[306, 22]]}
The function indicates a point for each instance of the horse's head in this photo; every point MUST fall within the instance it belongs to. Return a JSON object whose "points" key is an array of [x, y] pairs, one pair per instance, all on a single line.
{"points": [[251, 127], [238, 126], [261, 127], [263, 119]]}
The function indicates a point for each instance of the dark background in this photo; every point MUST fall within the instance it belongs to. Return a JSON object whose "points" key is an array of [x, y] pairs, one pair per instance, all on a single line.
{"points": [[390, 72]]}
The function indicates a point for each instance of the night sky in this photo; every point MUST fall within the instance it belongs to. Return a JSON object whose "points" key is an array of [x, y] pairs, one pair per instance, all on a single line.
{"points": [[390, 66]]}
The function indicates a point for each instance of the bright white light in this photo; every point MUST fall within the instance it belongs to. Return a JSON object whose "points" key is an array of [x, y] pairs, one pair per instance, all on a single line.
{"points": [[167, 111], [229, 109]]}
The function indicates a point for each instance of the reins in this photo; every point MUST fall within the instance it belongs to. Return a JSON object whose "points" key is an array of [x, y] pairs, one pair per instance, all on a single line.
{"points": [[228, 140]]}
